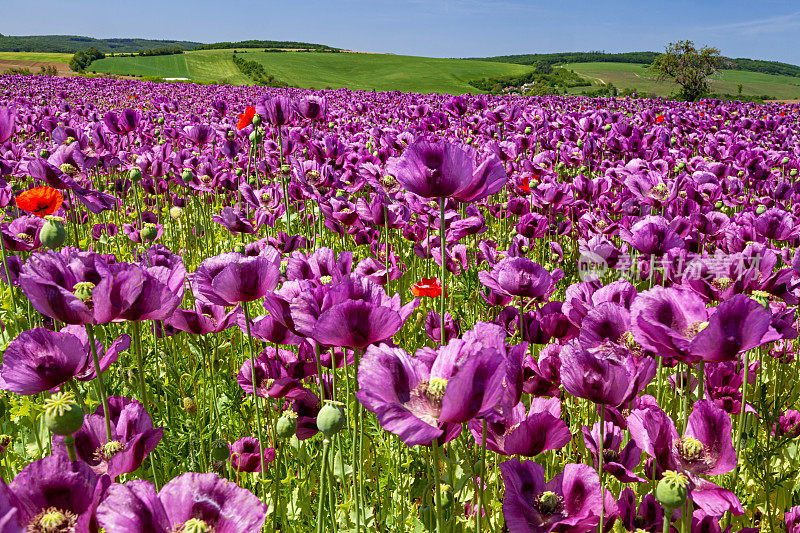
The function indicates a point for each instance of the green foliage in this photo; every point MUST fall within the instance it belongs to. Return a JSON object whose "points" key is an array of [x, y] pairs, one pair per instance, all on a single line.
{"points": [[256, 72], [689, 67], [17, 71], [84, 58], [74, 43], [225, 45], [161, 51], [553, 82]]}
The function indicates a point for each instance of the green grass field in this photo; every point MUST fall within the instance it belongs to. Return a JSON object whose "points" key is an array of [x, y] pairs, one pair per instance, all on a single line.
{"points": [[36, 56], [382, 72], [630, 75]]}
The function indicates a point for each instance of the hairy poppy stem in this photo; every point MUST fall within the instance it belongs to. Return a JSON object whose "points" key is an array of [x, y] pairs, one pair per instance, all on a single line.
{"points": [[481, 487], [438, 496], [442, 270], [600, 447], [99, 380], [255, 399]]}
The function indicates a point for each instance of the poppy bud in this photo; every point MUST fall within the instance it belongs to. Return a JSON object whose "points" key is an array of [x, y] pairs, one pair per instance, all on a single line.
{"points": [[331, 124], [156, 131], [528, 130], [160, 120], [287, 425], [607, 127], [239, 172], [760, 209], [672, 490], [135, 175], [52, 233], [62, 415], [785, 161], [330, 418], [256, 120], [718, 205], [44, 154], [220, 450], [793, 172]]}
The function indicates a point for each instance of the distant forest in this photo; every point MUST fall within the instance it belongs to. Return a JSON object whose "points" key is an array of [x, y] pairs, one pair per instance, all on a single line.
{"points": [[644, 58], [68, 44]]}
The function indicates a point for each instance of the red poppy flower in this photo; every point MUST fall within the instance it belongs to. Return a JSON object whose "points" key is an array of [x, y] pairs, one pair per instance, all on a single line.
{"points": [[41, 201], [659, 119], [246, 118], [526, 185], [429, 287]]}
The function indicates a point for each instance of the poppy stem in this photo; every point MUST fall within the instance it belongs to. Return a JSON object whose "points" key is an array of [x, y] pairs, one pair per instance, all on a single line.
{"points": [[69, 442], [481, 486], [600, 449], [137, 347], [98, 379], [436, 480], [10, 286], [442, 274], [255, 399], [737, 444]]}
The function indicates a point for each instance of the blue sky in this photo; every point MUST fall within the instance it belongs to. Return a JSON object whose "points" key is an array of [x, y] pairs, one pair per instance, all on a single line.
{"points": [[764, 29]]}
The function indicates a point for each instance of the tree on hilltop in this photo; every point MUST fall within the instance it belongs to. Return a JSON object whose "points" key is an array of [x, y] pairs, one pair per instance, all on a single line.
{"points": [[689, 67]]}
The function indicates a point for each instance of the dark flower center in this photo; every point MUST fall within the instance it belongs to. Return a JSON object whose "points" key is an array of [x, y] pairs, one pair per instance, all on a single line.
{"points": [[610, 456], [53, 520], [548, 503]]}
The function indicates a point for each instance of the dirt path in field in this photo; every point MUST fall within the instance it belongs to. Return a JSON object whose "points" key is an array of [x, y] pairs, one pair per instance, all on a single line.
{"points": [[785, 101], [33, 66]]}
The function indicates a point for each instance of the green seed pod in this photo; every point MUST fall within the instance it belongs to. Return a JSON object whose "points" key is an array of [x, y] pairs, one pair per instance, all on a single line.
{"points": [[186, 175], [160, 120], [135, 175], [785, 161], [793, 172], [528, 130], [718, 205], [287, 425], [760, 209], [672, 490], [239, 172], [53, 233], [256, 120], [331, 418], [44, 154], [607, 127], [220, 450], [62, 415], [149, 232]]}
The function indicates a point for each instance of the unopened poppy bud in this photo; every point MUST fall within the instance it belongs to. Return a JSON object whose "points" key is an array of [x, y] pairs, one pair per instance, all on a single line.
{"points": [[607, 127], [186, 175], [718, 205], [330, 418], [160, 120], [44, 154], [220, 450], [793, 172], [760, 209], [287, 425], [62, 415], [785, 161], [528, 130], [53, 235], [135, 175], [239, 172], [256, 120]]}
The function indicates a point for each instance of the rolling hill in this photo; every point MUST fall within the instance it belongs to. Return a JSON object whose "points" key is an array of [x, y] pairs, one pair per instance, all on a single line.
{"points": [[382, 72]]}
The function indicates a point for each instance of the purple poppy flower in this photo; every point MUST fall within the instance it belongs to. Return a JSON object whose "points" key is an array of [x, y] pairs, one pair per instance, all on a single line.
{"points": [[736, 325], [666, 320], [9, 509], [530, 434], [51, 280], [246, 455], [39, 360], [653, 235], [792, 519], [706, 448], [133, 437], [277, 110], [353, 313], [617, 461], [129, 291], [571, 501], [433, 326], [197, 502], [312, 107], [542, 376], [234, 220], [648, 516], [231, 278], [199, 134], [425, 397], [607, 374], [7, 124], [204, 319], [278, 373], [322, 263], [22, 234], [54, 490], [519, 276], [433, 169], [608, 322], [123, 122]]}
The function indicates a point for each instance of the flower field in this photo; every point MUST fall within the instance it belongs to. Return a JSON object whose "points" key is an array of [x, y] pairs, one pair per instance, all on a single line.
{"points": [[239, 309]]}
